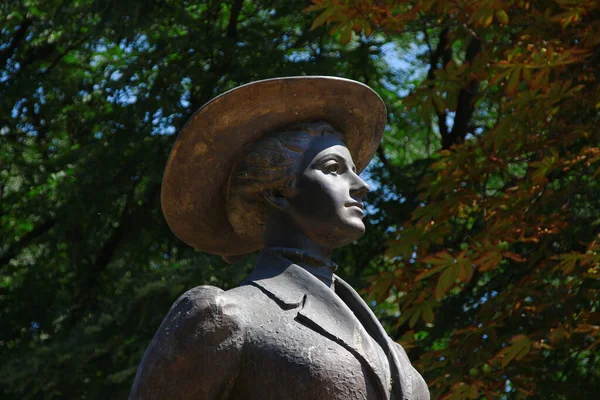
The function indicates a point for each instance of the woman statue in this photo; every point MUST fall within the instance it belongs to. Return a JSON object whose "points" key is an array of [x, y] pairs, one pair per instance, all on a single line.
{"points": [[273, 166]]}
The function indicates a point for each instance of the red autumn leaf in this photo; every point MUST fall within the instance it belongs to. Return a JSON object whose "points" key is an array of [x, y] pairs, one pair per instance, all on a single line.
{"points": [[488, 260], [519, 347], [558, 334], [445, 282]]}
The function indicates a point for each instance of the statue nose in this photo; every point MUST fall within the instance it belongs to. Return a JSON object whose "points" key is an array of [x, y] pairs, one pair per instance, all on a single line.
{"points": [[360, 192], [360, 188]]}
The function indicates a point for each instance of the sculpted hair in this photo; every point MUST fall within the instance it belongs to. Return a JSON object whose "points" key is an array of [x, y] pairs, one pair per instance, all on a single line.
{"points": [[268, 163]]}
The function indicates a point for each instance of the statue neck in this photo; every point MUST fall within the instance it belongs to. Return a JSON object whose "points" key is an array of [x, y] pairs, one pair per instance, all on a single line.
{"points": [[282, 231], [284, 237]]}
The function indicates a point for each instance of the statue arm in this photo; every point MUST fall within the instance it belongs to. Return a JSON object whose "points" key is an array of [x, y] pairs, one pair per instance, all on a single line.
{"points": [[196, 352], [420, 390]]}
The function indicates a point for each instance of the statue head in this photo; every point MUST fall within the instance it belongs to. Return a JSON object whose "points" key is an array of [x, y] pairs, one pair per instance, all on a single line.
{"points": [[262, 153], [303, 177]]}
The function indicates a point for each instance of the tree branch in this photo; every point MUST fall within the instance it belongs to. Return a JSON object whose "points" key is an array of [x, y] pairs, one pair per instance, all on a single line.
{"points": [[233, 18], [465, 102], [63, 54], [26, 240], [441, 55], [384, 160]]}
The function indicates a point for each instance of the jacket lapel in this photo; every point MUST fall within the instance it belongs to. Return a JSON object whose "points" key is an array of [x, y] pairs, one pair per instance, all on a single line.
{"points": [[401, 375], [320, 309]]}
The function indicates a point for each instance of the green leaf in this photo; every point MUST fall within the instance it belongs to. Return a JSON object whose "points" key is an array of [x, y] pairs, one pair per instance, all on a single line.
{"points": [[445, 282], [502, 16], [428, 315], [323, 17], [414, 317], [513, 82]]}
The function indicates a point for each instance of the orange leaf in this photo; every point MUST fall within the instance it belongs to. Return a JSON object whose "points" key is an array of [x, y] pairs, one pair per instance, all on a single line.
{"points": [[568, 261], [464, 271], [346, 34], [428, 272], [558, 334], [441, 258], [322, 18], [488, 260], [498, 77], [487, 16], [463, 390], [519, 347], [513, 256]]}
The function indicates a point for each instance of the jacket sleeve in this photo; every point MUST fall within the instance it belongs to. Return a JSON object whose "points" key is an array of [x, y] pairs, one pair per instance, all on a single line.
{"points": [[418, 386], [196, 352]]}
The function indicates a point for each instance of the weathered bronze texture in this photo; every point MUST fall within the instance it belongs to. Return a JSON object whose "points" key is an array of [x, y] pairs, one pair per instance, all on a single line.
{"points": [[293, 329]]}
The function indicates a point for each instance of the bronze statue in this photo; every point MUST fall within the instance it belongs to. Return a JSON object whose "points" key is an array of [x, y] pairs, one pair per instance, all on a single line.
{"points": [[273, 166]]}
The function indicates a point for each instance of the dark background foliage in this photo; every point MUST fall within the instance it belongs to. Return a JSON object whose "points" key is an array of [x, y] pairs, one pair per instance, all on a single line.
{"points": [[91, 96], [480, 255]]}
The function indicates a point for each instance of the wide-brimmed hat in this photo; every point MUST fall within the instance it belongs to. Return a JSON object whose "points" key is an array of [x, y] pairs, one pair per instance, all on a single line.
{"points": [[194, 185]]}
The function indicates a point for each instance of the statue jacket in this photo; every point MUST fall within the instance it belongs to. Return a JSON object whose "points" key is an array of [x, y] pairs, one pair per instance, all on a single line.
{"points": [[283, 334]]}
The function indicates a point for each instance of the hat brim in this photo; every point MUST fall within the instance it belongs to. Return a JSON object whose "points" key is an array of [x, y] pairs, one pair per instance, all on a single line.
{"points": [[193, 194]]}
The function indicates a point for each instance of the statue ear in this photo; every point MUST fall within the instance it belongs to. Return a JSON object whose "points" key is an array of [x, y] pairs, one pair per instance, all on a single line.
{"points": [[276, 199], [279, 198]]}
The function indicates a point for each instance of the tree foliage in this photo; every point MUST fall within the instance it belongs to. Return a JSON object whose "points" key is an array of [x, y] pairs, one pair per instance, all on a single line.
{"points": [[91, 94], [496, 270], [482, 247]]}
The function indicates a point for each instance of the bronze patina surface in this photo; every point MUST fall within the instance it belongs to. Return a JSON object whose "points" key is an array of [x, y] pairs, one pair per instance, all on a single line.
{"points": [[290, 187]]}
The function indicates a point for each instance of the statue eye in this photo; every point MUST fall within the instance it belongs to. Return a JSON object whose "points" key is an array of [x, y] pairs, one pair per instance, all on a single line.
{"points": [[332, 167]]}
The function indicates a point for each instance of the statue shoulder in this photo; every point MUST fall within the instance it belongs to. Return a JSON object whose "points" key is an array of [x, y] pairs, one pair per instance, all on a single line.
{"points": [[199, 299], [204, 324], [205, 305]]}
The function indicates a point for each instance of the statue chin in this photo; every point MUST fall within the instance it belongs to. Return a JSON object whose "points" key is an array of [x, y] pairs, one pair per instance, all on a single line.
{"points": [[350, 235], [335, 235]]}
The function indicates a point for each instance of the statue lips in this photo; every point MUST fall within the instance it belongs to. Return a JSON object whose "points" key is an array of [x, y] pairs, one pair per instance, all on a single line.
{"points": [[357, 205]]}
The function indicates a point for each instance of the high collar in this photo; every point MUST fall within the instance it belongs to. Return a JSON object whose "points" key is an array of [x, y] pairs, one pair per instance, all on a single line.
{"points": [[320, 267]]}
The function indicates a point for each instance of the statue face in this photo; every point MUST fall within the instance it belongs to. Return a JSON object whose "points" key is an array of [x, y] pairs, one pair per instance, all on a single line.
{"points": [[327, 203]]}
